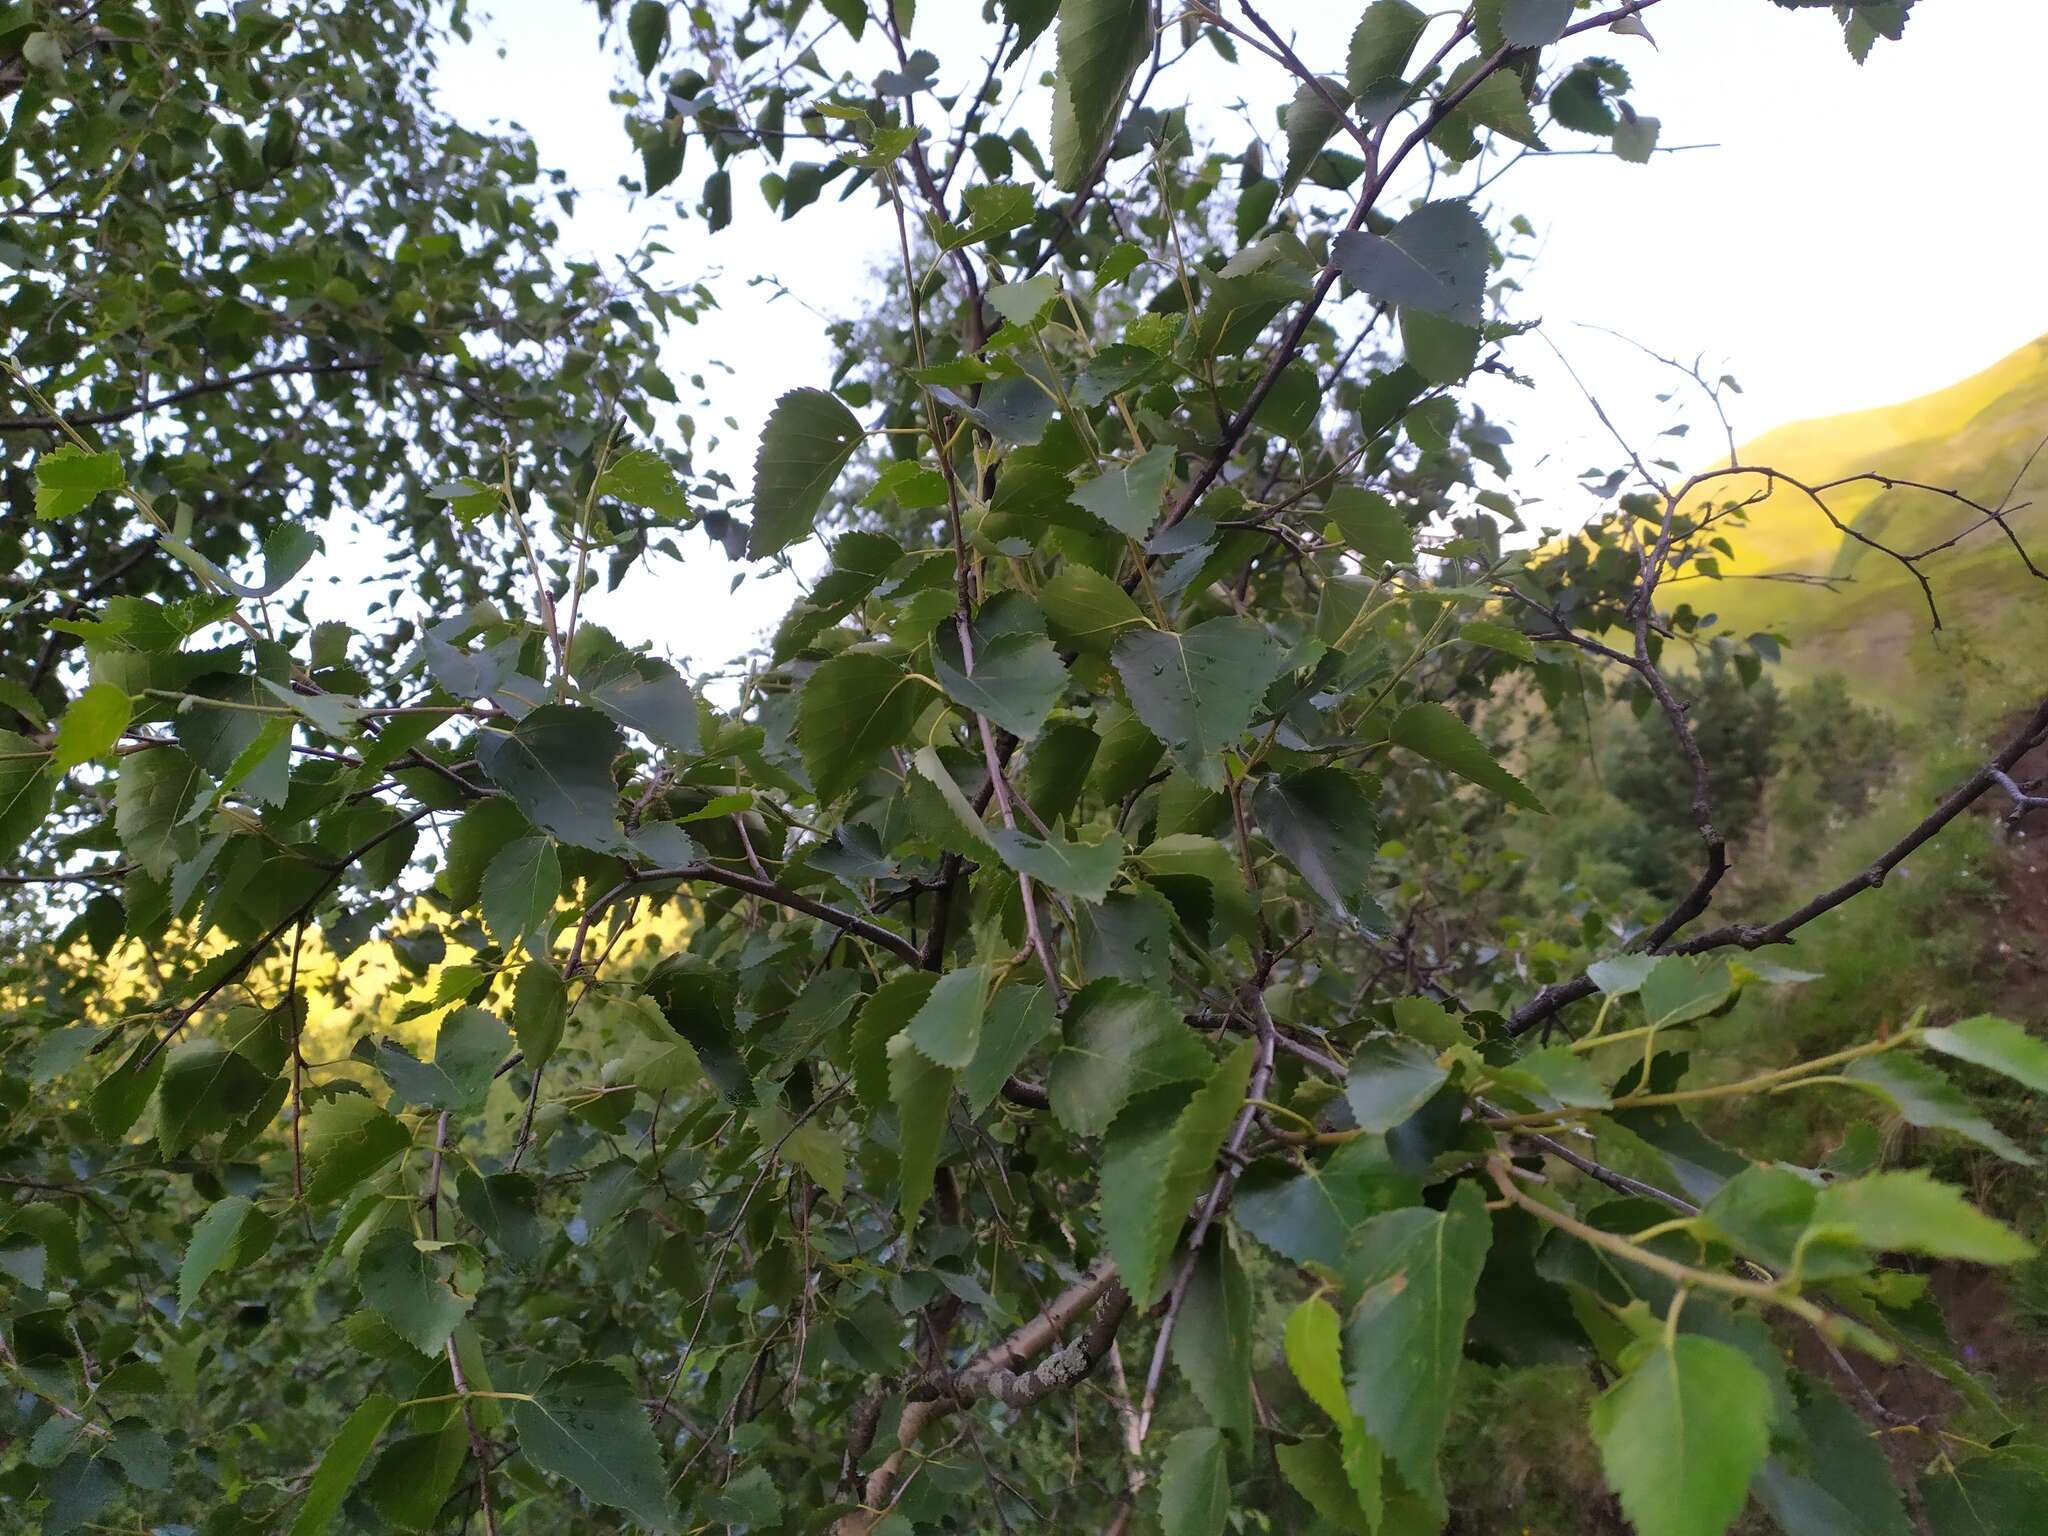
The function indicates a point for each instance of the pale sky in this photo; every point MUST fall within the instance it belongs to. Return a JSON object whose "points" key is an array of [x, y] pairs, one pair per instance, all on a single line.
{"points": [[1859, 235]]}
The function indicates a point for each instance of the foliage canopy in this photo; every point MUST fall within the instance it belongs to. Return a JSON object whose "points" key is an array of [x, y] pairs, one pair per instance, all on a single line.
{"points": [[985, 1070]]}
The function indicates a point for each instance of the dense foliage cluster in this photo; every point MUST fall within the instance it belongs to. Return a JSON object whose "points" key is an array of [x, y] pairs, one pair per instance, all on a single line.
{"points": [[1004, 1068]]}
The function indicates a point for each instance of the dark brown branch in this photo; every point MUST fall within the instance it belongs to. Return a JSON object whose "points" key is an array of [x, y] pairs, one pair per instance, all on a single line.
{"points": [[1002, 1364], [1751, 936], [190, 391], [795, 901]]}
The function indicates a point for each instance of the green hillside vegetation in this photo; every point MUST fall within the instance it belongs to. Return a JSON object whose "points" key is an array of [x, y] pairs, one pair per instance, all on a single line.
{"points": [[1819, 764], [1975, 437]]}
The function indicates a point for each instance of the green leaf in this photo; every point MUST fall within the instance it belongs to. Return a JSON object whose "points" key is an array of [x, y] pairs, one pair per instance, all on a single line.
{"points": [[1239, 307], [1766, 1212], [421, 1289], [286, 549], [1434, 732], [1212, 1344], [1619, 975], [25, 791], [205, 1088], [1563, 1077], [947, 1028], [1127, 496], [343, 1460], [142, 1454], [647, 30], [68, 478], [1317, 1470], [1310, 122], [122, 1094], [808, 439], [1386, 36], [586, 1425], [1681, 1435], [1678, 989], [1391, 1078], [1204, 880], [647, 695], [415, 1474], [556, 764], [1083, 870], [1314, 1346], [1635, 136], [973, 829], [540, 1006], [1309, 1216], [1442, 351], [1998, 1045], [1157, 1159], [922, 1092], [1194, 1485], [860, 562], [850, 14], [1326, 826], [151, 796], [1197, 691], [346, 1142], [236, 746], [1101, 43], [1908, 1212], [1837, 1483], [1925, 1098], [1023, 302], [1498, 637], [1018, 1019], [862, 559], [752, 1499], [992, 209], [213, 1240], [1999, 1494], [642, 478], [1497, 103], [473, 842], [505, 1207], [520, 888], [852, 710], [1418, 1271], [1434, 260], [1522, 23], [1372, 525], [91, 726], [467, 1050], [1087, 610], [887, 1012], [1579, 100], [1121, 1041], [1017, 676]]}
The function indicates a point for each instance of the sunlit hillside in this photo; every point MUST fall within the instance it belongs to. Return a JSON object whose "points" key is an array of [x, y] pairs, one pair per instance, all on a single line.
{"points": [[1975, 437]]}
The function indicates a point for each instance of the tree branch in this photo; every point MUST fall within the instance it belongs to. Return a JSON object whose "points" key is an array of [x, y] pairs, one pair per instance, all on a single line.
{"points": [[1750, 936], [995, 1373]]}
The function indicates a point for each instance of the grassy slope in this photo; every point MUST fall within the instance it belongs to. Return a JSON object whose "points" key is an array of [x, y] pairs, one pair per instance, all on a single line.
{"points": [[1973, 436]]}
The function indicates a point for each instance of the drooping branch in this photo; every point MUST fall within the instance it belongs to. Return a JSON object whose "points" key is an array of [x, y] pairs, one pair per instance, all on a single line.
{"points": [[998, 1374], [1749, 936], [768, 890]]}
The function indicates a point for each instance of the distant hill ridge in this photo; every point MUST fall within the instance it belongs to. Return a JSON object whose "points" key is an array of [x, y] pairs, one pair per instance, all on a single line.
{"points": [[1973, 436]]}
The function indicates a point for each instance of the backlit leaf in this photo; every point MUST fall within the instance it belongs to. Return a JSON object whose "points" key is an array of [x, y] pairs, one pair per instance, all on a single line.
{"points": [[808, 439], [1681, 1435]]}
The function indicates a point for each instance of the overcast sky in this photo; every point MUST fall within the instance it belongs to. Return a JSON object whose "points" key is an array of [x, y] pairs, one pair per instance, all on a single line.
{"points": [[1857, 236]]}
